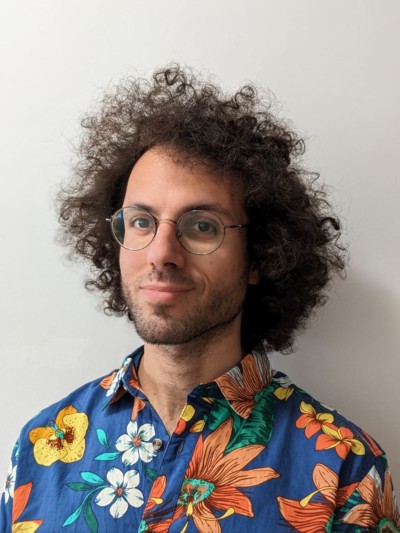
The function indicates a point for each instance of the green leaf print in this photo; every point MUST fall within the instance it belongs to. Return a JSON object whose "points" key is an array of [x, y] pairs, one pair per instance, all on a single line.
{"points": [[90, 518], [80, 486], [220, 412], [101, 435], [107, 456], [92, 478], [257, 429]]}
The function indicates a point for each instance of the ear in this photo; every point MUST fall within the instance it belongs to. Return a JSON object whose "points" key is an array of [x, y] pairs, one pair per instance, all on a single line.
{"points": [[254, 274]]}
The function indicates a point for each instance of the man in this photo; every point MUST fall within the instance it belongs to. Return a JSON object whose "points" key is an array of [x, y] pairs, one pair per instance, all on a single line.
{"points": [[200, 227]]}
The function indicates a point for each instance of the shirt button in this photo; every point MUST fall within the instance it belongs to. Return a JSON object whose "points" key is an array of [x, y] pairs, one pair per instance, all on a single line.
{"points": [[157, 444]]}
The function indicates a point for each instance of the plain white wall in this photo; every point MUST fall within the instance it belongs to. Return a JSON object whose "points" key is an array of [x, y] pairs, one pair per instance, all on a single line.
{"points": [[334, 68]]}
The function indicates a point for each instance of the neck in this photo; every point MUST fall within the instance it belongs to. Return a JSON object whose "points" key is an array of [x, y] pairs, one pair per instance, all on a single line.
{"points": [[167, 373]]}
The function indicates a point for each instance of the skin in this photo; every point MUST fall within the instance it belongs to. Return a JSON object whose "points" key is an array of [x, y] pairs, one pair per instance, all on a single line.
{"points": [[187, 308]]}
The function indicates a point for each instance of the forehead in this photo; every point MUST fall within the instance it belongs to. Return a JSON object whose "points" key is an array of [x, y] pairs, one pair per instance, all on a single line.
{"points": [[169, 182]]}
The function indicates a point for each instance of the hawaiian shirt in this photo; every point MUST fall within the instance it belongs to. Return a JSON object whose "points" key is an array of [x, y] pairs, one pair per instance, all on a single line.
{"points": [[250, 452]]}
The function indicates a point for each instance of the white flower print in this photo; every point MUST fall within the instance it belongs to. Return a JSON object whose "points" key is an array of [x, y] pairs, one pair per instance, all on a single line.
{"points": [[135, 444], [10, 483], [122, 492]]}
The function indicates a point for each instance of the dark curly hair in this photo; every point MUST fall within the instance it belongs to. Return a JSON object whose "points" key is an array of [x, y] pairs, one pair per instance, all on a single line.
{"points": [[293, 236]]}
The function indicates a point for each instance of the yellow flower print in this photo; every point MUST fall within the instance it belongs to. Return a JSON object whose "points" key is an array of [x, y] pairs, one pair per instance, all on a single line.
{"points": [[311, 420], [62, 441], [284, 393], [342, 439]]}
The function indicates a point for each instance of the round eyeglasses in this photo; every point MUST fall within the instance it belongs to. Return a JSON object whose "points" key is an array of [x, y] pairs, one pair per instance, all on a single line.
{"points": [[199, 232]]}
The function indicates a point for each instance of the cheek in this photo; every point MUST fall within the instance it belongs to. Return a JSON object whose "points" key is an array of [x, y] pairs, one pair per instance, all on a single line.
{"points": [[129, 262]]}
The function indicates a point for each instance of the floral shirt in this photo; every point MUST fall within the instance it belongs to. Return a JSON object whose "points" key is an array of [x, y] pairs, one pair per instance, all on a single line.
{"points": [[250, 452]]}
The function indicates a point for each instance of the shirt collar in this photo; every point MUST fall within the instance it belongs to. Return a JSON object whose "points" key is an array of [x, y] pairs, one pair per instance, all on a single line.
{"points": [[239, 386]]}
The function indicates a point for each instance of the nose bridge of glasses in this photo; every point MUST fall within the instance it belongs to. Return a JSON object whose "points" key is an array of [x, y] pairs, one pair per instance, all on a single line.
{"points": [[159, 220], [171, 222]]}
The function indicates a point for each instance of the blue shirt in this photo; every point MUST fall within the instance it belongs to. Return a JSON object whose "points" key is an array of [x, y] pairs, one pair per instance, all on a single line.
{"points": [[250, 452]]}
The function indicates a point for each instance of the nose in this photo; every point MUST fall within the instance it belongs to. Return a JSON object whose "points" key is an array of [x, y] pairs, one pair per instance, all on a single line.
{"points": [[165, 249]]}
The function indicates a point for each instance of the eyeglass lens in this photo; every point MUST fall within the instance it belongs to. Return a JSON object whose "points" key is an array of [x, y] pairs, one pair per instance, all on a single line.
{"points": [[200, 232]]}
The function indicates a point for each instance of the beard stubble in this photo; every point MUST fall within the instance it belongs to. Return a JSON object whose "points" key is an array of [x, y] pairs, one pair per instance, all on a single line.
{"points": [[204, 321]]}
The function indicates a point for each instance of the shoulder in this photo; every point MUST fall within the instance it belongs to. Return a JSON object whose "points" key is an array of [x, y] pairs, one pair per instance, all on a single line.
{"points": [[335, 459], [87, 397], [65, 421], [322, 435]]}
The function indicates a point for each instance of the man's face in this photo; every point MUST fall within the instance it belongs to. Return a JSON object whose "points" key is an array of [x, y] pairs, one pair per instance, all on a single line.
{"points": [[175, 296]]}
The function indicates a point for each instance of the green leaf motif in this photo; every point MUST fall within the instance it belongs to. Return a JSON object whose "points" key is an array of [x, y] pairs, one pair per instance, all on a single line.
{"points": [[72, 517], [101, 435], [150, 472], [258, 428], [92, 478], [108, 456], [220, 412], [90, 518], [80, 486]]}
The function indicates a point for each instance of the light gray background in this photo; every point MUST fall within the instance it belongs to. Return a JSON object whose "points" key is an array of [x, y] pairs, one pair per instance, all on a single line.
{"points": [[334, 67]]}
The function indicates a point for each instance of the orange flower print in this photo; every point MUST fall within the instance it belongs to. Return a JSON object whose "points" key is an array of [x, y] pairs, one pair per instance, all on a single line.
{"points": [[380, 510], [210, 491], [112, 382], [186, 415], [307, 516], [157, 491], [149, 522], [342, 439], [241, 387], [62, 441], [106, 382], [138, 405], [21, 497], [312, 421]]}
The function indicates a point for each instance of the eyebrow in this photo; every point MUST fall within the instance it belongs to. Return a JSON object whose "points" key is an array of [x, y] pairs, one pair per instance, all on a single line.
{"points": [[213, 206]]}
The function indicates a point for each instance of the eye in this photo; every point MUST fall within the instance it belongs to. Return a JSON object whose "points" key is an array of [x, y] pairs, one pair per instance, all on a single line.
{"points": [[204, 227], [199, 226], [140, 223]]}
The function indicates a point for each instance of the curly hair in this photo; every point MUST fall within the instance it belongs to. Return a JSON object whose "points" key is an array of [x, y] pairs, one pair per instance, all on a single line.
{"points": [[293, 236]]}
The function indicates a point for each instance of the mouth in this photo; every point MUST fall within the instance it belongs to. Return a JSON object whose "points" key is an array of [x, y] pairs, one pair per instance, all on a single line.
{"points": [[165, 288], [164, 293]]}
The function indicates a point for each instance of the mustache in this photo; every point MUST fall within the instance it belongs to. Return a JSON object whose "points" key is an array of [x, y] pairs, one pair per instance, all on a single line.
{"points": [[169, 276]]}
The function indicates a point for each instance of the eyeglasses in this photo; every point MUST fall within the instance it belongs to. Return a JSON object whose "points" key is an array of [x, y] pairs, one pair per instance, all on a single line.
{"points": [[199, 232]]}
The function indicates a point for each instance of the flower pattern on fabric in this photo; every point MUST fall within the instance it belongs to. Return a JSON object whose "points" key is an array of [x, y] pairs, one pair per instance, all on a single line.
{"points": [[135, 444], [372, 445], [157, 491], [155, 499], [312, 421], [112, 382], [121, 492], [212, 481], [284, 393], [138, 405], [10, 482], [63, 440], [21, 497], [379, 509], [186, 415], [240, 386], [210, 474], [312, 513], [341, 439]]}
